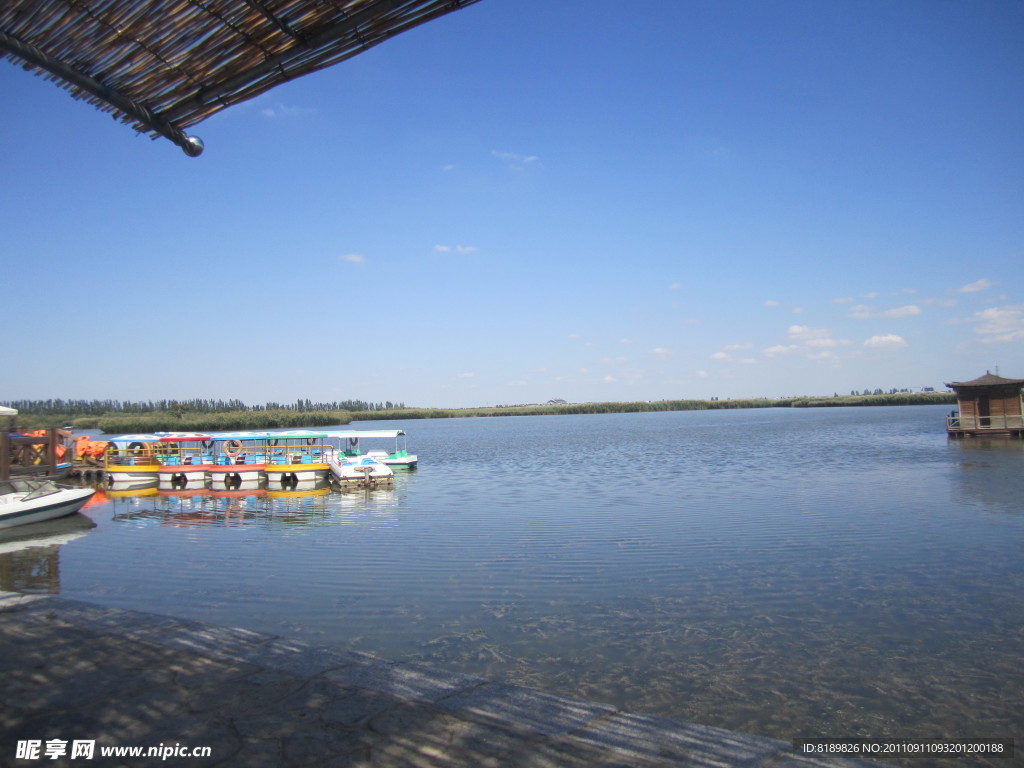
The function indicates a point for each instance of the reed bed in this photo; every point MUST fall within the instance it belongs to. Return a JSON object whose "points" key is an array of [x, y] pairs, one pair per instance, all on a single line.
{"points": [[905, 398], [316, 415]]}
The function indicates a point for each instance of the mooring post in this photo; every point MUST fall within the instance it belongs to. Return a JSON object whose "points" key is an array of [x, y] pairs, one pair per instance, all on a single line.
{"points": [[5, 456], [51, 450]]}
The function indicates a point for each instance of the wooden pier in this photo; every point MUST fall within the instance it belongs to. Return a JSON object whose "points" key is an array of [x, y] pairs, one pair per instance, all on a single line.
{"points": [[37, 455]]}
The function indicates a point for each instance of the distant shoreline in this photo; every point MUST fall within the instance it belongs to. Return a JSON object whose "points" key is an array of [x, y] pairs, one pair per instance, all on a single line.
{"points": [[261, 419], [840, 401]]}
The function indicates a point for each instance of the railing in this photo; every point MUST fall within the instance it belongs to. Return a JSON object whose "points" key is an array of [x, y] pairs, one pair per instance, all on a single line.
{"points": [[139, 454], [299, 454], [1007, 421], [174, 456], [38, 453]]}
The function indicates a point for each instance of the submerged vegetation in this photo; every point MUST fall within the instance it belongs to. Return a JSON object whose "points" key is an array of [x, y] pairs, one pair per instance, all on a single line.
{"points": [[115, 417]]}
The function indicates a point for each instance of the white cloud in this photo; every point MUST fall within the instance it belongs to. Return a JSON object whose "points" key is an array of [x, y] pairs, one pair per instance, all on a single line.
{"points": [[977, 285], [458, 248], [814, 343], [354, 258], [886, 341], [284, 110], [780, 349], [721, 356], [823, 342], [908, 311], [842, 300], [805, 333], [609, 379], [824, 354], [771, 303], [660, 353], [1000, 324], [517, 161], [466, 375], [674, 287], [867, 313], [702, 374]]}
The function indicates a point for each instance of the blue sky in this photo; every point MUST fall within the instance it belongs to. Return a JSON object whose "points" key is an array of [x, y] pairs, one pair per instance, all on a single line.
{"points": [[531, 199]]}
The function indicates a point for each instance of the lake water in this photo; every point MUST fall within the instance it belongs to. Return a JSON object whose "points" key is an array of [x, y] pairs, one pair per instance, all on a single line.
{"points": [[788, 572]]}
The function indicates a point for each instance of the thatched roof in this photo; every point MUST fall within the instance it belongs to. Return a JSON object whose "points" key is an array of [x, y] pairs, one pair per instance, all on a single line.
{"points": [[988, 380], [164, 65]]}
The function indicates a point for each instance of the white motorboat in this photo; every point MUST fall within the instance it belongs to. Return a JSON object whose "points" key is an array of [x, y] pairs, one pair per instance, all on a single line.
{"points": [[360, 472], [24, 501]]}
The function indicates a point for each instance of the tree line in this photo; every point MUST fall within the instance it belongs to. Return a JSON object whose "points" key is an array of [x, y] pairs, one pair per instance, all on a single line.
{"points": [[197, 405]]}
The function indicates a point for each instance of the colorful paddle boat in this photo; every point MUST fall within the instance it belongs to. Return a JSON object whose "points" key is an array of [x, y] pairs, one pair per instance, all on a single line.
{"points": [[132, 459], [240, 460], [296, 456], [185, 459]]}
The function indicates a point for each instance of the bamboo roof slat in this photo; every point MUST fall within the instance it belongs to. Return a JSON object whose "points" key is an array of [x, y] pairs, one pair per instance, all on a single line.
{"points": [[162, 66]]}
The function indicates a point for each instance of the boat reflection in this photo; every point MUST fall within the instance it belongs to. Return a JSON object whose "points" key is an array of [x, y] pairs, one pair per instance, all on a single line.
{"points": [[30, 554], [128, 497], [251, 502]]}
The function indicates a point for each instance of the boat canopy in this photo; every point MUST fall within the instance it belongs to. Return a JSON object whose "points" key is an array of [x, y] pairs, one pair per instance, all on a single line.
{"points": [[180, 437], [291, 434], [134, 439], [239, 435], [368, 433], [160, 437], [295, 434]]}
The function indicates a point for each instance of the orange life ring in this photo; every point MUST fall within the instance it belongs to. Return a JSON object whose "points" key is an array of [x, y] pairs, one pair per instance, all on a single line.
{"points": [[353, 441], [232, 448]]}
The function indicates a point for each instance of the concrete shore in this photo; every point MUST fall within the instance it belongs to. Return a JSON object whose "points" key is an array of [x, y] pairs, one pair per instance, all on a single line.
{"points": [[75, 671]]}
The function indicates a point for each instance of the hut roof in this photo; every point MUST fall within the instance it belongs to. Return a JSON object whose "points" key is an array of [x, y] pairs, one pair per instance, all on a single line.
{"points": [[988, 380], [164, 65]]}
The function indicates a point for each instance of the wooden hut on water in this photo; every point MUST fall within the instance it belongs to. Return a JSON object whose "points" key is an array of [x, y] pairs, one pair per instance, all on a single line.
{"points": [[987, 405]]}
